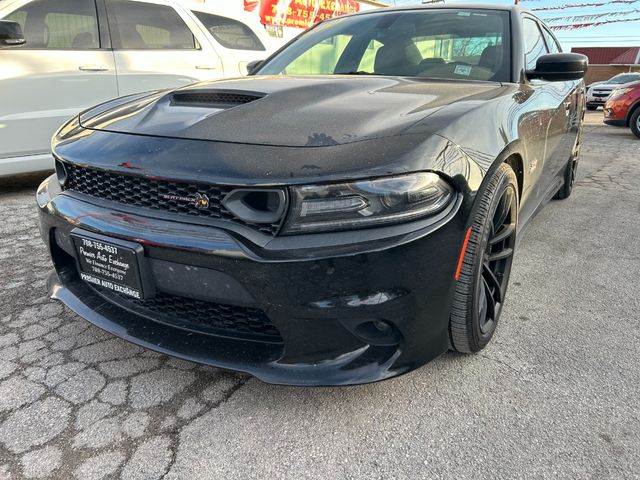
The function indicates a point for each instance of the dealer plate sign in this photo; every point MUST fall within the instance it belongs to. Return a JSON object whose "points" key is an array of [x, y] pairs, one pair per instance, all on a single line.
{"points": [[109, 264]]}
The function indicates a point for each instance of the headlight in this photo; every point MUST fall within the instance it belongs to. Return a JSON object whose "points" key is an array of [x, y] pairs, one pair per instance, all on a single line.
{"points": [[618, 92], [366, 203]]}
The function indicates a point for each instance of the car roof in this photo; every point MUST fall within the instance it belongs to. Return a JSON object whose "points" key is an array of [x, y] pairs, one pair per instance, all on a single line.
{"points": [[439, 6], [445, 6]]}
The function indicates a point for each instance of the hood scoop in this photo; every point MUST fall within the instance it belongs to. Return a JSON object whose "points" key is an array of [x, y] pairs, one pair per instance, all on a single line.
{"points": [[213, 98]]}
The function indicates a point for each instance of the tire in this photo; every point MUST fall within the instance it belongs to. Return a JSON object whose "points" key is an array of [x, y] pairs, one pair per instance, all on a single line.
{"points": [[592, 107], [570, 171], [569, 179], [634, 123], [477, 294]]}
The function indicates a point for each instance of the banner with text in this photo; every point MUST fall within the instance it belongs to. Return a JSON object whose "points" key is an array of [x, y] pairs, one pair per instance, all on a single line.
{"points": [[299, 13]]}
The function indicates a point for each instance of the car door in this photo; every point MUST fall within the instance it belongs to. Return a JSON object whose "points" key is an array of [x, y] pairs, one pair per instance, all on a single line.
{"points": [[568, 125], [158, 46], [532, 124], [546, 120], [65, 66]]}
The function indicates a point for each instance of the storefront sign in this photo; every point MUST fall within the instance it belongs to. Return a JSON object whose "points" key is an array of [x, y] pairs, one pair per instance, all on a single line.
{"points": [[299, 13]]}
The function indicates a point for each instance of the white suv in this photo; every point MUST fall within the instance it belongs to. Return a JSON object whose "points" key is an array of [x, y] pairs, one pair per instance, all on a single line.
{"points": [[77, 53]]}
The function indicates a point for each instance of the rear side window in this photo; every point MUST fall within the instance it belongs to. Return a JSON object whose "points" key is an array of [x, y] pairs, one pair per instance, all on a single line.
{"points": [[145, 26], [230, 33], [534, 45], [58, 24]]}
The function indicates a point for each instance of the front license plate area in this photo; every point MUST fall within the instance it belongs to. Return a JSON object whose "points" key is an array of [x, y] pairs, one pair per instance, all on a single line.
{"points": [[110, 263]]}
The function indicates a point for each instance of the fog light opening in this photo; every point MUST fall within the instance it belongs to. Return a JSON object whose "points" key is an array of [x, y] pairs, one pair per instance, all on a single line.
{"points": [[256, 206], [378, 332], [381, 326]]}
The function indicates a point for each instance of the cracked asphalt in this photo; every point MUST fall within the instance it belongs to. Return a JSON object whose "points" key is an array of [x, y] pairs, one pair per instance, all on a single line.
{"points": [[555, 395]]}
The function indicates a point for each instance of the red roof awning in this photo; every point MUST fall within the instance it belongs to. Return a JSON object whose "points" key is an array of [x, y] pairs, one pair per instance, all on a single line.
{"points": [[610, 55]]}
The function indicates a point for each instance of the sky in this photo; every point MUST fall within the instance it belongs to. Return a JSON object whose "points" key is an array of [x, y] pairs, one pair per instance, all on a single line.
{"points": [[617, 34]]}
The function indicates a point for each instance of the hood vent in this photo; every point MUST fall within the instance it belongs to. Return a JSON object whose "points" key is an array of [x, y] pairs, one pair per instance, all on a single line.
{"points": [[213, 98]]}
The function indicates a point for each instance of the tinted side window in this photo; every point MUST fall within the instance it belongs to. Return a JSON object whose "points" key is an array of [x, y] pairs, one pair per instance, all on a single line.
{"points": [[58, 24], [553, 45], [145, 26], [533, 43], [230, 33]]}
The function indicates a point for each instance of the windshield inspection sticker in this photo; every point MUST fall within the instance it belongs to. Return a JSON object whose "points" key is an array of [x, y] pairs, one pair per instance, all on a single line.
{"points": [[463, 70]]}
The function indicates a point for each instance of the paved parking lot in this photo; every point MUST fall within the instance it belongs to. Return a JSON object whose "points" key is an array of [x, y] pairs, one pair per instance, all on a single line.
{"points": [[556, 395]]}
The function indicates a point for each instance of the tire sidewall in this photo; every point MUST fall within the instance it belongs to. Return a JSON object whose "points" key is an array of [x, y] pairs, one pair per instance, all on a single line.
{"points": [[506, 181], [633, 122]]}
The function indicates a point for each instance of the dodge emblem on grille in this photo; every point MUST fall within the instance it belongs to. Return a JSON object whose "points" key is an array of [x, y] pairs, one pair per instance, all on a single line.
{"points": [[201, 201]]}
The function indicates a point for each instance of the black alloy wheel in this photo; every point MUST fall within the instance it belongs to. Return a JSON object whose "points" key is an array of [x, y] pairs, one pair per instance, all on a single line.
{"points": [[496, 262], [484, 273]]}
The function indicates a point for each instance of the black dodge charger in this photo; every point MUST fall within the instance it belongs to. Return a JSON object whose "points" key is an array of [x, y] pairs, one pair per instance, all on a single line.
{"points": [[345, 214]]}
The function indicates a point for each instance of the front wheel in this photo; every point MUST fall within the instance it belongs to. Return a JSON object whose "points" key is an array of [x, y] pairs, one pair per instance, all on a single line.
{"points": [[592, 107], [484, 273]]}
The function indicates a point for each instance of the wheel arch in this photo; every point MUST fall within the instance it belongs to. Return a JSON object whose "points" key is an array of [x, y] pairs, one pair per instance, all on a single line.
{"points": [[516, 162], [632, 109], [512, 155]]}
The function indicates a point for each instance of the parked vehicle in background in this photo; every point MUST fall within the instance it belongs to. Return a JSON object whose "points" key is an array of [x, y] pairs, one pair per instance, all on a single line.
{"points": [[598, 93], [76, 53], [623, 107]]}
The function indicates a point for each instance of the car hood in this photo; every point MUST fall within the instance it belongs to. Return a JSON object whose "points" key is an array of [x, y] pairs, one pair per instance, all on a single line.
{"points": [[286, 111], [634, 84], [606, 87]]}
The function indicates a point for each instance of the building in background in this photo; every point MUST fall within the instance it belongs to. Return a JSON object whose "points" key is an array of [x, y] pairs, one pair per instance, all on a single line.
{"points": [[605, 62]]}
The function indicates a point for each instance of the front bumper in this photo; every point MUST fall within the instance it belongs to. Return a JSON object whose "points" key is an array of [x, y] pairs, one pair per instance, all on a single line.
{"points": [[322, 298], [599, 101], [615, 111]]}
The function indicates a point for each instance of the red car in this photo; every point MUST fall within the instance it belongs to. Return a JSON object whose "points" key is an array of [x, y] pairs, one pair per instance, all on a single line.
{"points": [[623, 107]]}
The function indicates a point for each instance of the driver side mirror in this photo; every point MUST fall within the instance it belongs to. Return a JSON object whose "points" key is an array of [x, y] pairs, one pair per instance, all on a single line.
{"points": [[11, 34], [560, 67], [253, 66]]}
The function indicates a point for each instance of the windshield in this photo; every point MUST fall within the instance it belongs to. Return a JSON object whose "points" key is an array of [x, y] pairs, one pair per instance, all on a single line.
{"points": [[455, 44], [624, 78]]}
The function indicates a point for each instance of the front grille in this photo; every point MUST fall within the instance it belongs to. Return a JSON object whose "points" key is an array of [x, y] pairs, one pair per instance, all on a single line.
{"points": [[167, 196], [213, 98], [201, 316]]}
